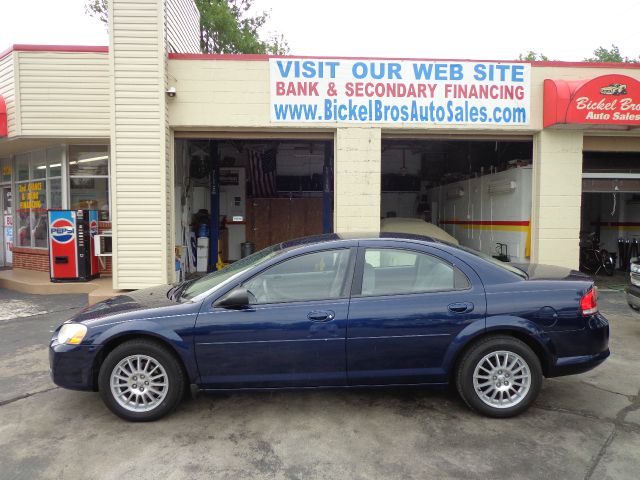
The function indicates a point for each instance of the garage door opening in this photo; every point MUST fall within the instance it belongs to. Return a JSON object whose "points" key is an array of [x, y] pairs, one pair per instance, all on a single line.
{"points": [[477, 191], [610, 212], [233, 197]]}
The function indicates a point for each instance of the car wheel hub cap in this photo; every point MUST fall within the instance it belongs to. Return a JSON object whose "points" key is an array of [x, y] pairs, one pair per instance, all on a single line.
{"points": [[139, 383], [502, 379]]}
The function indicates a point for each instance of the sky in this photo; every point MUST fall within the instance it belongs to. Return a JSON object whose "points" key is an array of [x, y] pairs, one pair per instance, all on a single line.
{"points": [[455, 29]]}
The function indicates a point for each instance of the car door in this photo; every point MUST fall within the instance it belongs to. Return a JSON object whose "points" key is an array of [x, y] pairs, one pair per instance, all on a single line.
{"points": [[292, 334], [408, 305]]}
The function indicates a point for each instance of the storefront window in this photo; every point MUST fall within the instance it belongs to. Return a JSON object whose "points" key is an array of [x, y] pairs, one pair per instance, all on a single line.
{"points": [[55, 193], [54, 160], [89, 178], [38, 165], [38, 187], [22, 166], [5, 170]]}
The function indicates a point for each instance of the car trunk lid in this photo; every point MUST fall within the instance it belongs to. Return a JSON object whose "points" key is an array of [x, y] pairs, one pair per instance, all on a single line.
{"points": [[538, 271]]}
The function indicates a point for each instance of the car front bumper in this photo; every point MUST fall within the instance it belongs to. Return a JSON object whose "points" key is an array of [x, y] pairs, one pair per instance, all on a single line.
{"points": [[633, 296], [71, 366]]}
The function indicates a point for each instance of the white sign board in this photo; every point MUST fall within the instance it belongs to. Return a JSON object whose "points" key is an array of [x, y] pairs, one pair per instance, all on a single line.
{"points": [[399, 92]]}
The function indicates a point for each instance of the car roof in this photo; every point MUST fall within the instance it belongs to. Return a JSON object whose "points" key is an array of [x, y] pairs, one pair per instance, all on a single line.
{"points": [[355, 236]]}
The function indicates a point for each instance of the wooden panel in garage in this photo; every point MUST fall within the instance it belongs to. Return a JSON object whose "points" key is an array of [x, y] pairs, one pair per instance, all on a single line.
{"points": [[274, 220]]}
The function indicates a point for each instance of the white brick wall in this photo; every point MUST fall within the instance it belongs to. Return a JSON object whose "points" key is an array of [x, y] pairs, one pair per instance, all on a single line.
{"points": [[557, 195], [357, 179]]}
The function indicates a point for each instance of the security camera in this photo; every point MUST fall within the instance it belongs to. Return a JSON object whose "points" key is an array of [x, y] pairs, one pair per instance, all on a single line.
{"points": [[171, 91]]}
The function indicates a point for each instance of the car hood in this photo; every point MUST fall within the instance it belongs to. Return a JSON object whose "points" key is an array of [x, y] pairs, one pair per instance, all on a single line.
{"points": [[539, 271], [144, 299]]}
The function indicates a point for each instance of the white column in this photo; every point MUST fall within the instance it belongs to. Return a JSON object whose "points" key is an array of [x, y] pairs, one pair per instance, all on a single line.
{"points": [[357, 170], [140, 168], [557, 195]]}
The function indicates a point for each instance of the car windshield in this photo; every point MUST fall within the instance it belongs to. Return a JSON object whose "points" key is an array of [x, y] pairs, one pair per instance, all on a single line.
{"points": [[194, 288], [494, 261]]}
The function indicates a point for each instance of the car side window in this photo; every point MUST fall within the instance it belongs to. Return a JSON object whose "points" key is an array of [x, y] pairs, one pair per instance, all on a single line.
{"points": [[390, 271], [313, 276]]}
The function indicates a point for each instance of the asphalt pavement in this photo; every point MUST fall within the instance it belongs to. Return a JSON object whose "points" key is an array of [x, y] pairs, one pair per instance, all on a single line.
{"points": [[582, 427]]}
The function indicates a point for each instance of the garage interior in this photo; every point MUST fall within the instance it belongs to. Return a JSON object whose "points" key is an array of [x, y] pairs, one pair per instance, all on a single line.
{"points": [[477, 190], [249, 194], [268, 191], [611, 203]]}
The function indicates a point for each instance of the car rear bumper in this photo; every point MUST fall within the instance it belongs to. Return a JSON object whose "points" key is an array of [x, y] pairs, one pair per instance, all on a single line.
{"points": [[71, 366], [591, 348], [580, 364], [633, 296]]}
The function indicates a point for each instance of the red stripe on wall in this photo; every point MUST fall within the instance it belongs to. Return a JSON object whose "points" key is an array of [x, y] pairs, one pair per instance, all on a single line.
{"points": [[20, 47], [523, 223]]}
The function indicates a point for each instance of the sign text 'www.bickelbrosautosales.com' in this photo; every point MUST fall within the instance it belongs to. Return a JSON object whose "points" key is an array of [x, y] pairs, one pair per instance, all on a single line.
{"points": [[406, 91]]}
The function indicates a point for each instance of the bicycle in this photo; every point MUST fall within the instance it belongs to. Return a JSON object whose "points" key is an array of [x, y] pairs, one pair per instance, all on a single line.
{"points": [[593, 258]]}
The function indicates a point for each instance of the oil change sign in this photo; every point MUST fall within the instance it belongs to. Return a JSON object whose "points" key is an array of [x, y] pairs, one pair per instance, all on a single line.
{"points": [[403, 92]]}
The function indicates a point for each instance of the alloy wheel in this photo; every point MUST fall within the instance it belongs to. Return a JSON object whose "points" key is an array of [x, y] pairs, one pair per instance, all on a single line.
{"points": [[502, 379], [139, 383]]}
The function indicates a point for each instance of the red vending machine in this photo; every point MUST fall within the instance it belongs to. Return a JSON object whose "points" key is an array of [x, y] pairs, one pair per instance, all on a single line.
{"points": [[71, 250]]}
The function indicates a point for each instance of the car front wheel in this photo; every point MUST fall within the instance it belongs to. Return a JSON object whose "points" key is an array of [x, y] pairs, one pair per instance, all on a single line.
{"points": [[499, 376], [141, 380]]}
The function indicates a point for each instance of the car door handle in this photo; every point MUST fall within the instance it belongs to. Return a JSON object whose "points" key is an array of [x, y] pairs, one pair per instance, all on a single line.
{"points": [[461, 307], [321, 316]]}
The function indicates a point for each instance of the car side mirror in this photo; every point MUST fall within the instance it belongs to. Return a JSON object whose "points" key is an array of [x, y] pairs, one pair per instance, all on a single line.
{"points": [[237, 298]]}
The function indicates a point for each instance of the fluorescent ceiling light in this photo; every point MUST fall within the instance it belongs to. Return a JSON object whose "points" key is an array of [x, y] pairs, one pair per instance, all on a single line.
{"points": [[53, 165], [88, 160], [84, 160]]}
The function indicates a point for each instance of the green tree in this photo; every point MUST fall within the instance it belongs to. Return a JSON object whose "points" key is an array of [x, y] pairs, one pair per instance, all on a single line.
{"points": [[226, 26], [602, 54], [98, 9], [532, 56]]}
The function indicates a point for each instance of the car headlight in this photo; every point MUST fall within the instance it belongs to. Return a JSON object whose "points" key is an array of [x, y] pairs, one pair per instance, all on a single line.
{"points": [[72, 333], [635, 268]]}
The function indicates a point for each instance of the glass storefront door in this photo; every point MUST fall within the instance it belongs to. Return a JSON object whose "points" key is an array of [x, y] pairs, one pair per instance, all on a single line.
{"points": [[6, 232]]}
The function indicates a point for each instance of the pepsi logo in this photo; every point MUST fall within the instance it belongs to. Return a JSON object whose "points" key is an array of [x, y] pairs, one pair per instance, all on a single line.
{"points": [[93, 227], [62, 231]]}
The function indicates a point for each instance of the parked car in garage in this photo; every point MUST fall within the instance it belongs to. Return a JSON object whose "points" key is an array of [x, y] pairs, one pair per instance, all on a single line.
{"points": [[415, 226], [632, 290], [339, 311]]}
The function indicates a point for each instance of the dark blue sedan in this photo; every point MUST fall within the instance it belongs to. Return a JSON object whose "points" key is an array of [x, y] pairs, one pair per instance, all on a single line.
{"points": [[339, 311]]}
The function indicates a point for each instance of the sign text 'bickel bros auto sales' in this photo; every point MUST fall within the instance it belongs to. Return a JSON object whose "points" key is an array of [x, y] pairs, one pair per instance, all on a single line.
{"points": [[399, 91], [612, 99]]}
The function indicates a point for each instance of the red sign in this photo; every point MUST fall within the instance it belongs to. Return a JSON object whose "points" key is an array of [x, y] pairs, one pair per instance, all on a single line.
{"points": [[607, 100], [3, 117]]}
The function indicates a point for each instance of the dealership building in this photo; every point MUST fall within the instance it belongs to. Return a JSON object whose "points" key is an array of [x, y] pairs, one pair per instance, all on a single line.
{"points": [[517, 158]]}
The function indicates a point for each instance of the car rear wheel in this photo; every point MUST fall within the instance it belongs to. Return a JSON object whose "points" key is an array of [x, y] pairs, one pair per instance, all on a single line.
{"points": [[141, 380], [499, 376]]}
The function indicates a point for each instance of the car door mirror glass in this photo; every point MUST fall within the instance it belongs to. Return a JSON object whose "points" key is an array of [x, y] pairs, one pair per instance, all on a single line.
{"points": [[236, 299]]}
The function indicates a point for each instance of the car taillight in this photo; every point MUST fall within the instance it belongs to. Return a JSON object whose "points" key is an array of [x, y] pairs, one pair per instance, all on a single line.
{"points": [[589, 302]]}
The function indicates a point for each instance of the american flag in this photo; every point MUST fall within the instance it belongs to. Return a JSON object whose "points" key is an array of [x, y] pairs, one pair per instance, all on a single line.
{"points": [[262, 173]]}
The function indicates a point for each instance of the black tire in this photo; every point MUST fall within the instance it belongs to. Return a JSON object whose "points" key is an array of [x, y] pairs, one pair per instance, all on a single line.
{"points": [[473, 356], [607, 263], [175, 379]]}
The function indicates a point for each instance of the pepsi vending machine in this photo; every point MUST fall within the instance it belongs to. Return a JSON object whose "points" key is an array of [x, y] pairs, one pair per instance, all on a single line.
{"points": [[71, 251]]}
